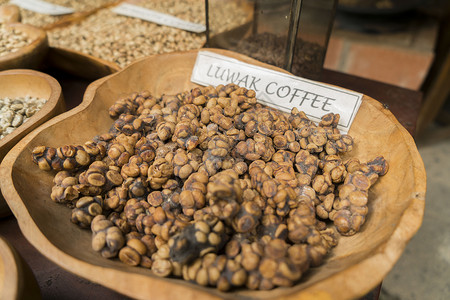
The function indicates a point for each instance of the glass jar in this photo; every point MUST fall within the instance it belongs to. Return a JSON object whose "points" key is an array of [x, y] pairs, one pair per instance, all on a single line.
{"points": [[290, 34]]}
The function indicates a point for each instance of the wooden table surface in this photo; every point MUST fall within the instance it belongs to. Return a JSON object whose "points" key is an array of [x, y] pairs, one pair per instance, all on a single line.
{"points": [[56, 283]]}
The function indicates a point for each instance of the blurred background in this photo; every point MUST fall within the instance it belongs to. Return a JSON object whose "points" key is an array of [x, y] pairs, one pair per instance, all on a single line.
{"points": [[404, 43], [407, 44]]}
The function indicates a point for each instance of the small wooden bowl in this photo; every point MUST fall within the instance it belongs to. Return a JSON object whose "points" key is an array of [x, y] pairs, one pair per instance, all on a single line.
{"points": [[30, 56], [9, 13], [17, 83], [16, 278], [357, 265]]}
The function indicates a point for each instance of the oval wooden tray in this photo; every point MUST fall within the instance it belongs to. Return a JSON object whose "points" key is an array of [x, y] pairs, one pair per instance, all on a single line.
{"points": [[16, 278], [30, 56], [20, 83], [355, 266]]}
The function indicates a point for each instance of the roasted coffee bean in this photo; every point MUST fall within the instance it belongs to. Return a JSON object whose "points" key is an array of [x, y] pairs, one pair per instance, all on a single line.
{"points": [[350, 209]]}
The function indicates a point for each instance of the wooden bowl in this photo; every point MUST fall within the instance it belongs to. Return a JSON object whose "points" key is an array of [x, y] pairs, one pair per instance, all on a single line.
{"points": [[75, 62], [9, 13], [17, 83], [30, 56], [354, 267], [16, 278]]}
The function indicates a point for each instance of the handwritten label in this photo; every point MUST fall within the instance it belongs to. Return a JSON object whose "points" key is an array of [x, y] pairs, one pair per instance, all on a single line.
{"points": [[135, 11], [277, 89], [43, 7]]}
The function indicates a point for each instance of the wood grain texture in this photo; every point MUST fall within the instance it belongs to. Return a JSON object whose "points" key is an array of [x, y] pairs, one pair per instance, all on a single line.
{"points": [[21, 83], [353, 268], [30, 56], [16, 278]]}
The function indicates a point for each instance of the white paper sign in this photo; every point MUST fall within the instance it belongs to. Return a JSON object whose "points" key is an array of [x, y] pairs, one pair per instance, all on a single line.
{"points": [[278, 90], [43, 7], [130, 10]]}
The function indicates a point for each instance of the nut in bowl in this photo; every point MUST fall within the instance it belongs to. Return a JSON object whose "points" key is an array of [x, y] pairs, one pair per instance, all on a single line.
{"points": [[353, 267], [22, 94], [21, 46]]}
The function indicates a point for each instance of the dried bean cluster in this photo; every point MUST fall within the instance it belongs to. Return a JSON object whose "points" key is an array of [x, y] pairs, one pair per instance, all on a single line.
{"points": [[211, 186], [14, 112]]}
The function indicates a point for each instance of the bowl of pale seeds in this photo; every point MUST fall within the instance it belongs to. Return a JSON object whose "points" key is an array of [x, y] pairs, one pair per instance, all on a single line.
{"points": [[21, 46], [28, 98]]}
